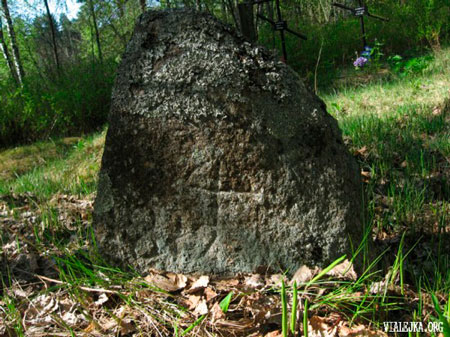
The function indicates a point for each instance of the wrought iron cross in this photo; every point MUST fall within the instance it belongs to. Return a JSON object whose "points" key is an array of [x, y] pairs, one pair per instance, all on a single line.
{"points": [[360, 12], [246, 15]]}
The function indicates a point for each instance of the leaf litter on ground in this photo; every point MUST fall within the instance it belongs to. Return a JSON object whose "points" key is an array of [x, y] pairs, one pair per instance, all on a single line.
{"points": [[36, 297]]}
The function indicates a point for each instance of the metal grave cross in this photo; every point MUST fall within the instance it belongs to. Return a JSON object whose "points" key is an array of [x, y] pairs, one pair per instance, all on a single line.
{"points": [[247, 26], [360, 12]]}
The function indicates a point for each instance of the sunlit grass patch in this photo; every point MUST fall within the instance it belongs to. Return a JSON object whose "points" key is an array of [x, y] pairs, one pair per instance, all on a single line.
{"points": [[400, 132], [17, 161], [72, 171]]}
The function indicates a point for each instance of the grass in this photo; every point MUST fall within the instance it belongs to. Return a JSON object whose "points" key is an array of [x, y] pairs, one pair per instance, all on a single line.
{"points": [[68, 166], [400, 132], [396, 125]]}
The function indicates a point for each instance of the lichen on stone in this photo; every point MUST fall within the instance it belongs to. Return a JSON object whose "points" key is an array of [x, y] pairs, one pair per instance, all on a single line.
{"points": [[218, 159]]}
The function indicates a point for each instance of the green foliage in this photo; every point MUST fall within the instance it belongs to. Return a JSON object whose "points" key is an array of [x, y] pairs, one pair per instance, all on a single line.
{"points": [[443, 317], [414, 25], [414, 65], [75, 97], [77, 102], [225, 303], [431, 18]]}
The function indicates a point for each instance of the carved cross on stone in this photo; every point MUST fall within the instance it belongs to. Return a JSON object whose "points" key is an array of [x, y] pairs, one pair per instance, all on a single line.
{"points": [[248, 28], [360, 12]]}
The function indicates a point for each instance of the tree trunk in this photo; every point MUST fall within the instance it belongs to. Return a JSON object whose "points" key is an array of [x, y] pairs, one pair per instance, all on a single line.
{"points": [[97, 35], [53, 31], [15, 49], [5, 52], [232, 10], [143, 5]]}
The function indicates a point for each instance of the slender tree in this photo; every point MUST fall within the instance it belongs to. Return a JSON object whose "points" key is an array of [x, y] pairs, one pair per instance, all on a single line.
{"points": [[6, 55], [97, 34], [51, 23], [15, 48]]}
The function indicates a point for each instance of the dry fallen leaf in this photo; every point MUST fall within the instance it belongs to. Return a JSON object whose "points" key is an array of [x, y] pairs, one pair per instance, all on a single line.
{"points": [[318, 327], [274, 280], [227, 284], [90, 328], [40, 310], [202, 308], [217, 312], [344, 271], [362, 151], [209, 294], [377, 287], [172, 282], [102, 299], [193, 301], [200, 283], [437, 111], [178, 280], [304, 274], [126, 327], [254, 281], [359, 331]]}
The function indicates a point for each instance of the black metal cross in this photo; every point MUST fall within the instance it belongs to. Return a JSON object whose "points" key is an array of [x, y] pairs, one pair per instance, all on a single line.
{"points": [[360, 12], [246, 14]]}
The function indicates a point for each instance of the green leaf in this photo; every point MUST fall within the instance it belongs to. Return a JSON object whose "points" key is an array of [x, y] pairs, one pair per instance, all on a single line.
{"points": [[225, 303]]}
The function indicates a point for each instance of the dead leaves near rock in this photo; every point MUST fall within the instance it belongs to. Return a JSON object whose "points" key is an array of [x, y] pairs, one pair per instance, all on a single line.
{"points": [[342, 271], [335, 326], [163, 302], [167, 281]]}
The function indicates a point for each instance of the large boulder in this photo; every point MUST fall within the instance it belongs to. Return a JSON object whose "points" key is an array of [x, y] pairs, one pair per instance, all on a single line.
{"points": [[218, 159]]}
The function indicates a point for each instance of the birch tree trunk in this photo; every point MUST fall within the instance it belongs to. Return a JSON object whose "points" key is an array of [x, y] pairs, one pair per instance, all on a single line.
{"points": [[15, 49], [5, 52]]}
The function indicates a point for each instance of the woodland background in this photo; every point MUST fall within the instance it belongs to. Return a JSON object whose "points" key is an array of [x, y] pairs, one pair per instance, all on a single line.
{"points": [[56, 74]]}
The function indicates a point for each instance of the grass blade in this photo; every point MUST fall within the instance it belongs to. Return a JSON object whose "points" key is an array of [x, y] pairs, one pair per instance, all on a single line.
{"points": [[305, 319], [284, 318], [193, 325], [225, 303], [326, 270], [294, 307], [442, 319]]}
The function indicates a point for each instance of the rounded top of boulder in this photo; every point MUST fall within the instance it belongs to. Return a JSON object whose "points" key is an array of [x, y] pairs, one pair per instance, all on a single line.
{"points": [[200, 63]]}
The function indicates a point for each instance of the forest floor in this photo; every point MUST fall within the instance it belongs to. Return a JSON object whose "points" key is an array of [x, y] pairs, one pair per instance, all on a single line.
{"points": [[395, 121]]}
